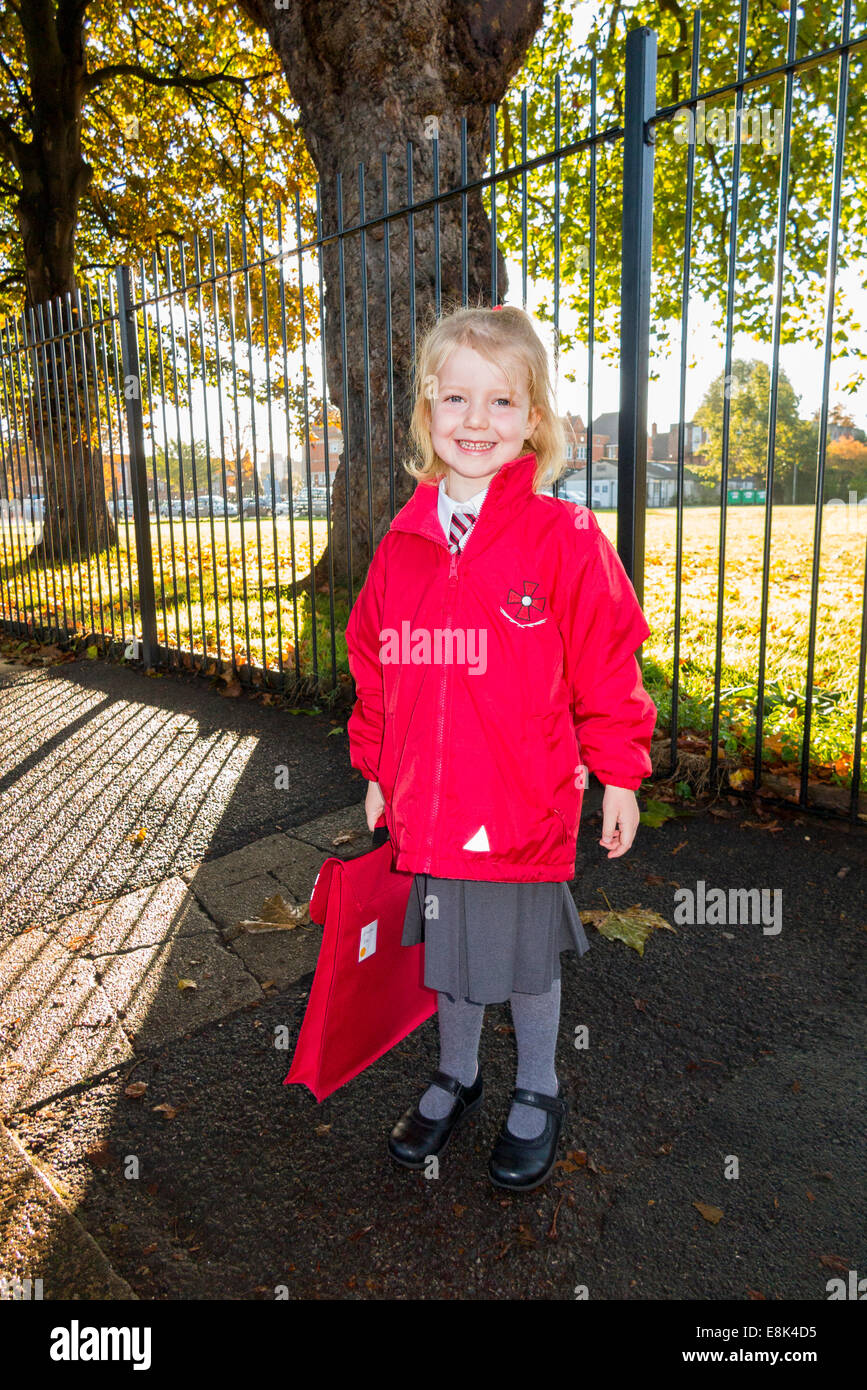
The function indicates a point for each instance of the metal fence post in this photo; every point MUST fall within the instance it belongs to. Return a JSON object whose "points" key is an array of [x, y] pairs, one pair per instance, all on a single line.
{"points": [[131, 378], [640, 105]]}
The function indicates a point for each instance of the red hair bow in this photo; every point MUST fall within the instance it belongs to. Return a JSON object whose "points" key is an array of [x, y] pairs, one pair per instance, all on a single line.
{"points": [[495, 307]]}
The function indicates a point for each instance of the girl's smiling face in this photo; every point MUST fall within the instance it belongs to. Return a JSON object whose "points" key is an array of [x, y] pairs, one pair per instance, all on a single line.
{"points": [[477, 422]]}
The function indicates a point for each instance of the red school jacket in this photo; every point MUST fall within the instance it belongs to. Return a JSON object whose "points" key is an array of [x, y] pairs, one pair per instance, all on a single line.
{"points": [[488, 680]]}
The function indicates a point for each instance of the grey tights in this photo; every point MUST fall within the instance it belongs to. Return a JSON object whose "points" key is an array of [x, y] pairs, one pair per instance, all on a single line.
{"points": [[536, 1018]]}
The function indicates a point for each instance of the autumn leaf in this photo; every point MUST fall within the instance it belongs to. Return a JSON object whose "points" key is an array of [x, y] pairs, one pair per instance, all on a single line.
{"points": [[168, 1111], [575, 1159], [655, 812], [100, 1155], [136, 1089], [186, 984], [712, 1214], [276, 915], [741, 777], [631, 925]]}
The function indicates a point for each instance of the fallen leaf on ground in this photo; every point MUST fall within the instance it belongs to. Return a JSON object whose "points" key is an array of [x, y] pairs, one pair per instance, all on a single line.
{"points": [[136, 1088], [169, 1111], [712, 1214], [655, 812], [575, 1159], [75, 943], [277, 915], [100, 1155], [187, 984], [741, 777], [631, 925]]}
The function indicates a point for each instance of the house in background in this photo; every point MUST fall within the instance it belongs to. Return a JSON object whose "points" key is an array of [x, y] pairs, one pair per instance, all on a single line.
{"points": [[576, 440], [315, 456], [661, 463]]}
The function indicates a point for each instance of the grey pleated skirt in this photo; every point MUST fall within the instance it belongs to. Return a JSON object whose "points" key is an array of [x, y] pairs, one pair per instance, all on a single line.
{"points": [[489, 940]]}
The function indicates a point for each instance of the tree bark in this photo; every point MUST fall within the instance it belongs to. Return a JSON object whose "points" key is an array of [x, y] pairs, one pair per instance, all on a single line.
{"points": [[53, 175], [367, 78]]}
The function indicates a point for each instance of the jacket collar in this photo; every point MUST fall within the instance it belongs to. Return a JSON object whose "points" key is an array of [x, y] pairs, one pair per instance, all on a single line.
{"points": [[507, 492]]}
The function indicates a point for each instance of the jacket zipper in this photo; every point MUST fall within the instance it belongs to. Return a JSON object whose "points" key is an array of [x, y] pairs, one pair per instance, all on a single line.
{"points": [[452, 580], [453, 577]]}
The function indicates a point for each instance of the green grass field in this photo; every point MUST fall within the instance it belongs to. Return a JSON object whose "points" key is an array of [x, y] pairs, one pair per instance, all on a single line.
{"points": [[193, 612]]}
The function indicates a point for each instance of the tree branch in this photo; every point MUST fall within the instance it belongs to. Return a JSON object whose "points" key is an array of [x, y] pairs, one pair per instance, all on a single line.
{"points": [[11, 144], [21, 94], [184, 81]]}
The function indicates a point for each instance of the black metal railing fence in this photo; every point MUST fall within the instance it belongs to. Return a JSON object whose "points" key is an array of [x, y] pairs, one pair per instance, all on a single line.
{"points": [[142, 413]]}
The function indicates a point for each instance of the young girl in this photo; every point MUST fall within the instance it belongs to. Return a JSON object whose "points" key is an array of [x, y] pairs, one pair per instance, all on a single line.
{"points": [[493, 652]]}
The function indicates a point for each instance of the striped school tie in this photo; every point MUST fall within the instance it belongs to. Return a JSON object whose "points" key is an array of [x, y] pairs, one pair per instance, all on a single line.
{"points": [[461, 525]]}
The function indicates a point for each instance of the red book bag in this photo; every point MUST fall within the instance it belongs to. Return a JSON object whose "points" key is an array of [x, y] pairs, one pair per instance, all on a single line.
{"points": [[368, 991]]}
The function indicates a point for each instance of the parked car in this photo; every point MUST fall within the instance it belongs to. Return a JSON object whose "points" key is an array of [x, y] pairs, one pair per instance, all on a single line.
{"points": [[572, 488], [250, 507], [315, 504]]}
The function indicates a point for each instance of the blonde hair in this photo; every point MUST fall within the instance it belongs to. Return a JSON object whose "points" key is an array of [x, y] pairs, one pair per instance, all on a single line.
{"points": [[507, 338]]}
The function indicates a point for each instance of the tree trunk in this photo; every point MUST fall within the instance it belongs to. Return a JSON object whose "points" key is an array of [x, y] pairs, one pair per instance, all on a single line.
{"points": [[54, 174], [63, 434], [367, 79]]}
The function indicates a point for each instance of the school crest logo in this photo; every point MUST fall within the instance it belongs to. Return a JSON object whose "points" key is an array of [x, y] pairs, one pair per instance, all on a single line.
{"points": [[525, 606]]}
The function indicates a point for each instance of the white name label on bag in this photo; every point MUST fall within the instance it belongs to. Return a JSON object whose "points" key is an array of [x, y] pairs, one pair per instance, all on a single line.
{"points": [[367, 944]]}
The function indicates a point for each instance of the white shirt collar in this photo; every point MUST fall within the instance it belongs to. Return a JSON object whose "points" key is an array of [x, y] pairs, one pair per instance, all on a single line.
{"points": [[447, 504], [446, 507]]}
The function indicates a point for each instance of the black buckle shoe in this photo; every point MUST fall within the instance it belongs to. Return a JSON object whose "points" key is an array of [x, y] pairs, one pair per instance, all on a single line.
{"points": [[521, 1164], [415, 1137]]}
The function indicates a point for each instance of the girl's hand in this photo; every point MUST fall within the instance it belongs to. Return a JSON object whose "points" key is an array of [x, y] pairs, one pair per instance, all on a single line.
{"points": [[374, 805], [619, 820]]}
